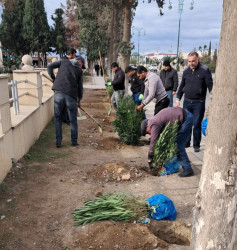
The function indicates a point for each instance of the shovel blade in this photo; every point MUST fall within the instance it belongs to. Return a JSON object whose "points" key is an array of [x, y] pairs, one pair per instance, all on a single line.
{"points": [[80, 117]]}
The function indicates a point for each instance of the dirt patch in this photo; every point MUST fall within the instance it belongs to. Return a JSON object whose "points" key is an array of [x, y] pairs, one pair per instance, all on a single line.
{"points": [[171, 232], [114, 235], [39, 195], [117, 171]]}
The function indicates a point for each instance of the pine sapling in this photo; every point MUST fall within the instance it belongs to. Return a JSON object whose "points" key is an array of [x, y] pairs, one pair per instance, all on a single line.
{"points": [[128, 121], [165, 147]]}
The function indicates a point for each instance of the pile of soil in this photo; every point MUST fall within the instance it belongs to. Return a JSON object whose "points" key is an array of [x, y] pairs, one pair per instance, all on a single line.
{"points": [[118, 171]]}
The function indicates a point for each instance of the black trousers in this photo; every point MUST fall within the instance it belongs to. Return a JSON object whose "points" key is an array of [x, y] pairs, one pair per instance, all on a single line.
{"points": [[164, 103]]}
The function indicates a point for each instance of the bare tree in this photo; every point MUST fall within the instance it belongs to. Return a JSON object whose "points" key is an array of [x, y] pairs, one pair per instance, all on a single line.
{"points": [[215, 213], [71, 24]]}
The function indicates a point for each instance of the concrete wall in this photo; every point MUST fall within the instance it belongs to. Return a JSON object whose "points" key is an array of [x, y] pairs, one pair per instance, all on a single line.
{"points": [[19, 132]]}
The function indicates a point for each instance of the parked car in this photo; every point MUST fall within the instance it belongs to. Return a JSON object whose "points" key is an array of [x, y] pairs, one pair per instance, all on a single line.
{"points": [[153, 67], [133, 66]]}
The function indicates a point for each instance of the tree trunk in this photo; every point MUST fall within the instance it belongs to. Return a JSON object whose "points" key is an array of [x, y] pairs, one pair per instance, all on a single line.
{"points": [[114, 31], [127, 24], [215, 212], [124, 59]]}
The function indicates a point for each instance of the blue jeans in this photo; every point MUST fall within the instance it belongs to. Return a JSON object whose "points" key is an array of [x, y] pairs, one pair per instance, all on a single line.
{"points": [[135, 98], [197, 108], [170, 96], [62, 101], [115, 97], [181, 140]]}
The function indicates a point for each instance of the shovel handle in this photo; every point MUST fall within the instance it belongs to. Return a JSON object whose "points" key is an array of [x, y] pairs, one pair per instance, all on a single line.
{"points": [[90, 115], [49, 78]]}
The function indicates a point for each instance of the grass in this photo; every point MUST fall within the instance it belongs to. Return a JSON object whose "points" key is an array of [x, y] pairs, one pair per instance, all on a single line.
{"points": [[44, 148], [3, 187]]}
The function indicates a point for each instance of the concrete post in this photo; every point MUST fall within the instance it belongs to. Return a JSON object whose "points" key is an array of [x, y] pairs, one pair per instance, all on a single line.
{"points": [[33, 86], [47, 85], [5, 115]]}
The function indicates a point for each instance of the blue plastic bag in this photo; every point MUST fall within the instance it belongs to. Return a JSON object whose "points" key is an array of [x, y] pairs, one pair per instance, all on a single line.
{"points": [[164, 208], [171, 167], [204, 126]]}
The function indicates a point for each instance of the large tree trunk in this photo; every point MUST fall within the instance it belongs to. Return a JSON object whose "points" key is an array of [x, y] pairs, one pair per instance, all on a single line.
{"points": [[127, 24], [215, 212], [114, 30]]}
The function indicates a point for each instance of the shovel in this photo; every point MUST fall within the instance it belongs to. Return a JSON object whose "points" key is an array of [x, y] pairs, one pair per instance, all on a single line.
{"points": [[80, 117], [98, 124]]}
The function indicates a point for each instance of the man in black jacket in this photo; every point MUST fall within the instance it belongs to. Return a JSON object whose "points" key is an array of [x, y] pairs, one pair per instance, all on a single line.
{"points": [[137, 85], [169, 78], [68, 92], [118, 84], [196, 80]]}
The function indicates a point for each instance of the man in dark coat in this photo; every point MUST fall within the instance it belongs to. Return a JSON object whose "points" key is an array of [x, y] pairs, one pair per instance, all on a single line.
{"points": [[196, 79], [118, 84], [137, 85], [97, 69], [68, 92], [169, 78]]}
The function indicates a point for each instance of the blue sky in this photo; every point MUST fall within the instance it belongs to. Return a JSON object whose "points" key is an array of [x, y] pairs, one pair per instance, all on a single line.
{"points": [[198, 26]]}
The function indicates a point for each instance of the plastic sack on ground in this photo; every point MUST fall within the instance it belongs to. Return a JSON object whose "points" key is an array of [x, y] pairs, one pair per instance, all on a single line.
{"points": [[171, 167], [164, 208], [204, 126]]}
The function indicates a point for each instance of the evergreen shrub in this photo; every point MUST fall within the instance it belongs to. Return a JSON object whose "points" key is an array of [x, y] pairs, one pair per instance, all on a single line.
{"points": [[166, 147], [128, 121]]}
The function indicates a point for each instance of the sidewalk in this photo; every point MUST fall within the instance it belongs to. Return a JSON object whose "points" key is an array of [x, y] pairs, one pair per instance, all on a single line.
{"points": [[97, 82], [94, 82]]}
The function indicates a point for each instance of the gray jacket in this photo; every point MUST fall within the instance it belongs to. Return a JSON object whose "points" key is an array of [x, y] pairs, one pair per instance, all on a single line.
{"points": [[169, 79], [153, 88]]}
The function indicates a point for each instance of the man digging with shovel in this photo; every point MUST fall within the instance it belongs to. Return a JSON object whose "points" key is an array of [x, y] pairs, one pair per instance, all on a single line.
{"points": [[68, 91]]}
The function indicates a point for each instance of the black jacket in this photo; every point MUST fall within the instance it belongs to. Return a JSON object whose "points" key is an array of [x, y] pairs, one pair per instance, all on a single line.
{"points": [[119, 80], [68, 79], [137, 85], [195, 83], [169, 79]]}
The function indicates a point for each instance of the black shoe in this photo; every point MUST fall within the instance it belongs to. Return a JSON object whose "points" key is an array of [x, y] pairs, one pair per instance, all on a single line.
{"points": [[186, 173], [75, 144], [196, 149], [58, 145], [187, 145]]}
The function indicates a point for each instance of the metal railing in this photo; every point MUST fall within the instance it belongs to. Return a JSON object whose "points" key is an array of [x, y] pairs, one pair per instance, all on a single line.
{"points": [[15, 96]]}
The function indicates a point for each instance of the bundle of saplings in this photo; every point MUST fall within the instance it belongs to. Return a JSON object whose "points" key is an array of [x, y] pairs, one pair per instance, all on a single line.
{"points": [[128, 121], [110, 89], [117, 207], [165, 148]]}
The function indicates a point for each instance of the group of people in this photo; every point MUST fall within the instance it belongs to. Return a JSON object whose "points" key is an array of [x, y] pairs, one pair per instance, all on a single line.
{"points": [[98, 69], [145, 86], [196, 79]]}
